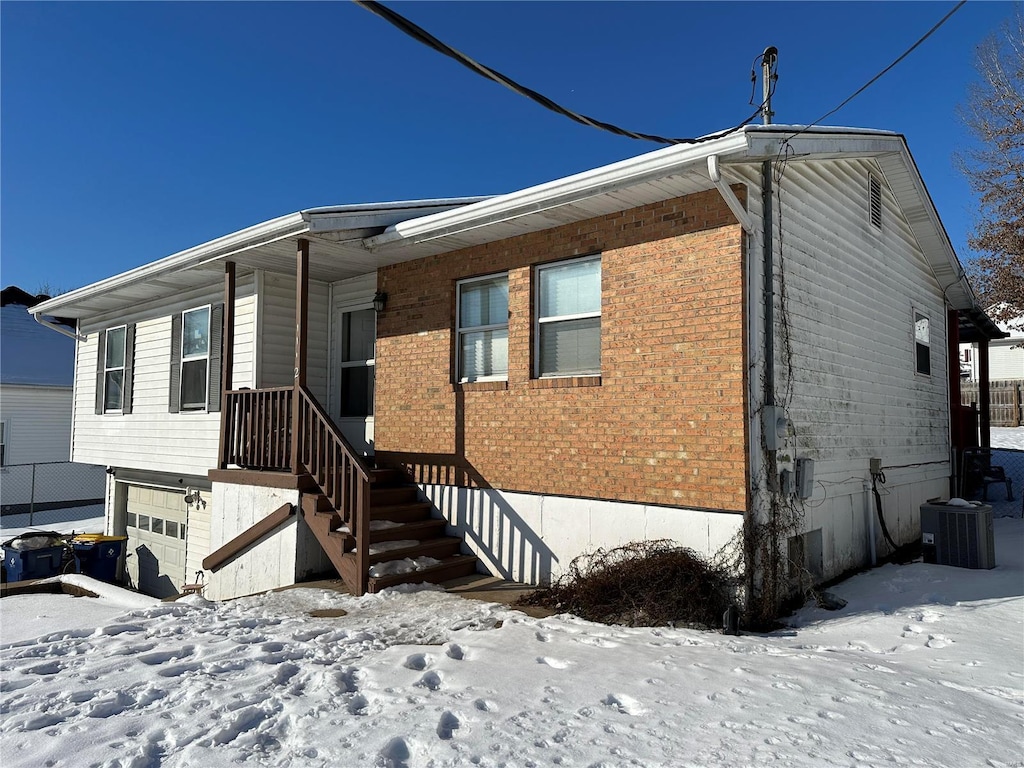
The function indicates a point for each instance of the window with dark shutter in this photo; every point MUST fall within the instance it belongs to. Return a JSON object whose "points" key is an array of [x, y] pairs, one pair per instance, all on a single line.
{"points": [[174, 398], [114, 367], [196, 351]]}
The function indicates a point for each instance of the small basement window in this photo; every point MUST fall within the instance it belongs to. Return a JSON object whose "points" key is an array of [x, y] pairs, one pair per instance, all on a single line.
{"points": [[875, 201], [922, 346]]}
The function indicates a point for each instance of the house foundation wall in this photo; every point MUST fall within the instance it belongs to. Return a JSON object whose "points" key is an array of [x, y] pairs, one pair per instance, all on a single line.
{"points": [[286, 555], [532, 538]]}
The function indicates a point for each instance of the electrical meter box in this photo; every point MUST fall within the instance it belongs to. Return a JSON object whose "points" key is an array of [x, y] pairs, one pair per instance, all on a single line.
{"points": [[804, 478]]}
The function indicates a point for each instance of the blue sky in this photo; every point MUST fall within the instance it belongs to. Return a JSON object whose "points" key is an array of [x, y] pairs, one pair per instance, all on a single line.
{"points": [[133, 130]]}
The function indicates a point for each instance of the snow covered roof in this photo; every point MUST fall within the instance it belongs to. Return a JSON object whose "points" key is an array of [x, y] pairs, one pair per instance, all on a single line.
{"points": [[351, 240], [32, 354]]}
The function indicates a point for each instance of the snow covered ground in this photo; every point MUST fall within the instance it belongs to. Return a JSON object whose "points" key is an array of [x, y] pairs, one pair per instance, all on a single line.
{"points": [[1008, 437], [923, 667]]}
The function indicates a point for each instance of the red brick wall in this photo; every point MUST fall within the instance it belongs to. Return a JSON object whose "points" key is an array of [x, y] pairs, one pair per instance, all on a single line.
{"points": [[663, 423]]}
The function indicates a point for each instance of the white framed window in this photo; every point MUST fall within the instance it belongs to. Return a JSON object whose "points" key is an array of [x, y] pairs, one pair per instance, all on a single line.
{"points": [[875, 201], [922, 344], [567, 328], [113, 369], [195, 358], [482, 328], [5, 435], [358, 364]]}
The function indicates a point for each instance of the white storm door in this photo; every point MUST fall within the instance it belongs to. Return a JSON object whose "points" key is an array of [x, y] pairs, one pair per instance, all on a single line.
{"points": [[355, 340]]}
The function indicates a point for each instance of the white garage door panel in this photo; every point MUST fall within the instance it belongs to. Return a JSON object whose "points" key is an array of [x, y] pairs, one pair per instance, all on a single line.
{"points": [[156, 540]]}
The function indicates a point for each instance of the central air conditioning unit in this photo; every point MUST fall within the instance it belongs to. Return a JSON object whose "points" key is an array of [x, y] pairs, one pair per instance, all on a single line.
{"points": [[959, 536]]}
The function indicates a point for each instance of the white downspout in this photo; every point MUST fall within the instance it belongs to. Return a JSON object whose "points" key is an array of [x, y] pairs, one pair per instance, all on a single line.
{"points": [[59, 329]]}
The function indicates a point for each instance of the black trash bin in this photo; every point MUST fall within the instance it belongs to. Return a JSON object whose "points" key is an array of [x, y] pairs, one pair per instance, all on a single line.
{"points": [[99, 556]]}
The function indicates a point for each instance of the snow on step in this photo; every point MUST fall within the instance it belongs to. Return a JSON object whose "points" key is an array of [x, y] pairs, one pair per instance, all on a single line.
{"points": [[408, 565], [387, 546], [375, 525]]}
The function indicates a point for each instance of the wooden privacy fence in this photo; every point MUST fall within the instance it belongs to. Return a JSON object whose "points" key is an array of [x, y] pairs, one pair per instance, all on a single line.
{"points": [[1006, 401]]}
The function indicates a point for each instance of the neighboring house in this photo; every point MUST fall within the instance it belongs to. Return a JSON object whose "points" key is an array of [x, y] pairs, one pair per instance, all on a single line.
{"points": [[36, 383], [1000, 362], [570, 366], [1005, 356]]}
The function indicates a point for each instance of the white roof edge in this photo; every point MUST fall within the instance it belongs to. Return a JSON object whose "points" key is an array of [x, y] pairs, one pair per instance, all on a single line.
{"points": [[394, 205], [281, 226], [567, 189], [289, 225]]}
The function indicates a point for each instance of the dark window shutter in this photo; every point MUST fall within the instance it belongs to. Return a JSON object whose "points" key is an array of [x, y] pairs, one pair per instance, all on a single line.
{"points": [[216, 349], [129, 367], [101, 361], [174, 401]]}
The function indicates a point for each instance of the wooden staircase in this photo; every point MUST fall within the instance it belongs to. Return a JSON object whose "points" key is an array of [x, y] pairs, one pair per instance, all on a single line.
{"points": [[400, 529]]}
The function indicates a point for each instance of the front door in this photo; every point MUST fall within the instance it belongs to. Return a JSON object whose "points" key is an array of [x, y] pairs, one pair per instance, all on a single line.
{"points": [[355, 335]]}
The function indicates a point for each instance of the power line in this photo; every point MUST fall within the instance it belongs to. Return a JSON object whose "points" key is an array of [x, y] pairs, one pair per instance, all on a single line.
{"points": [[422, 36], [874, 79]]}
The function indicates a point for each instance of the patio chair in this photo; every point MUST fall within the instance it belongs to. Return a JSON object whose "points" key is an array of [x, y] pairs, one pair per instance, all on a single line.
{"points": [[979, 471]]}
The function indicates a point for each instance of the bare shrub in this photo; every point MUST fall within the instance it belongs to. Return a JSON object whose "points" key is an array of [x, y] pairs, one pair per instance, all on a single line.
{"points": [[640, 584]]}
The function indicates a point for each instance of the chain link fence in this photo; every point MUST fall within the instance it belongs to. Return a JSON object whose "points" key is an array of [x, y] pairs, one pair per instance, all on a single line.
{"points": [[46, 493], [995, 476]]}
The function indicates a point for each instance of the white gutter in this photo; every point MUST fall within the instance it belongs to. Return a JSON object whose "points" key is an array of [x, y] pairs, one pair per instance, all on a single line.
{"points": [[741, 214], [564, 191], [58, 328], [291, 225]]}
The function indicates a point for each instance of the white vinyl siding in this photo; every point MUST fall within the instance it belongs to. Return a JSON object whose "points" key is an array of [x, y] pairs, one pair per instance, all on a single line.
{"points": [[37, 422], [277, 334], [482, 328], [854, 393], [150, 438], [1006, 359], [568, 321]]}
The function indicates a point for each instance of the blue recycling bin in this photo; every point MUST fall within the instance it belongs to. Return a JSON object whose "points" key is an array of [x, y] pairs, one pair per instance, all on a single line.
{"points": [[38, 563], [99, 556]]}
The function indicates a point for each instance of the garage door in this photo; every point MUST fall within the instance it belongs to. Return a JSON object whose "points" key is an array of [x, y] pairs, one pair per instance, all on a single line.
{"points": [[156, 540]]}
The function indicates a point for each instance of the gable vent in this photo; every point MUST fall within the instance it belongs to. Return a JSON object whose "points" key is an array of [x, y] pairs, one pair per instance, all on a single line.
{"points": [[876, 201]]}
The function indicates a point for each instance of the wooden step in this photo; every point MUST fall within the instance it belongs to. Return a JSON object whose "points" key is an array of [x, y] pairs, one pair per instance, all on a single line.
{"points": [[449, 568], [420, 530], [387, 497], [439, 548], [402, 513], [386, 476]]}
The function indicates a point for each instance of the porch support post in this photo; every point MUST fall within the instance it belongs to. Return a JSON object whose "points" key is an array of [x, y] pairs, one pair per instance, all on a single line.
{"points": [[227, 357], [301, 343], [984, 396], [956, 420]]}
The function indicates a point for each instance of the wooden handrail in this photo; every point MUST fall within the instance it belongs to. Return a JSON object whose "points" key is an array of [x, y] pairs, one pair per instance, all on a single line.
{"points": [[342, 475], [287, 429], [216, 560]]}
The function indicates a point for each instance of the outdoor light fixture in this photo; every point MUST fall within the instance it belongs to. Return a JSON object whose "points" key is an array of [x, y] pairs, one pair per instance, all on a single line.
{"points": [[192, 497], [380, 300]]}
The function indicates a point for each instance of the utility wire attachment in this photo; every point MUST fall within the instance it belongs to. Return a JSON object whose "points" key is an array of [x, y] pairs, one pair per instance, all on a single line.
{"points": [[874, 79], [427, 39]]}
